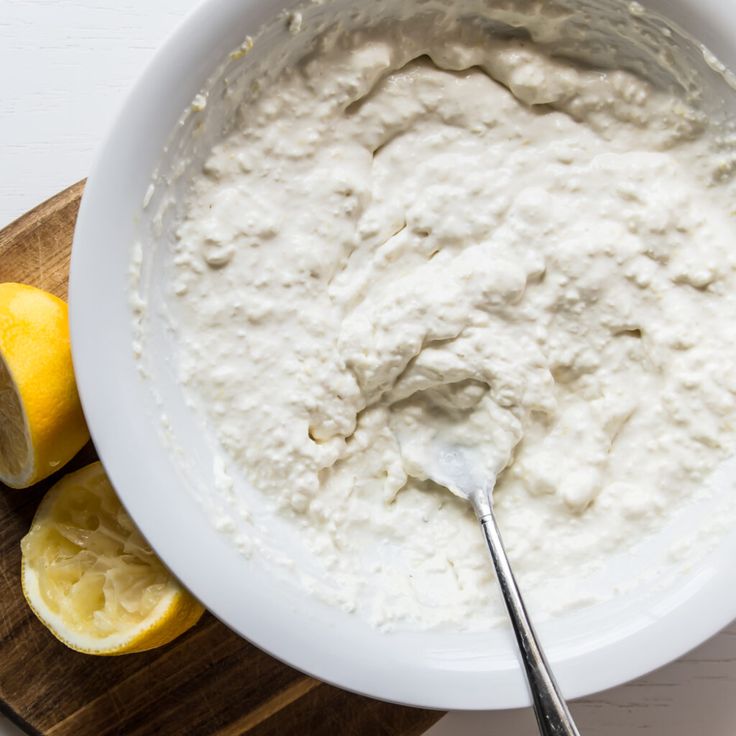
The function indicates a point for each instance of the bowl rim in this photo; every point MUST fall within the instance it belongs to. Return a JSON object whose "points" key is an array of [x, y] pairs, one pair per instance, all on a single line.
{"points": [[112, 404]]}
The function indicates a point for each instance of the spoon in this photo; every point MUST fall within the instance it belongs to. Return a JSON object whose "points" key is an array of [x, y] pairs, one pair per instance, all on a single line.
{"points": [[455, 468]]}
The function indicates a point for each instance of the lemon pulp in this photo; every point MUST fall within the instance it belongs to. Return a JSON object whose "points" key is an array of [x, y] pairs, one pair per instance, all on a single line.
{"points": [[14, 440]]}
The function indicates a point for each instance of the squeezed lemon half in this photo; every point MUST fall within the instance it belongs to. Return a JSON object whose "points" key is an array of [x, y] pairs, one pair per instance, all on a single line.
{"points": [[91, 578], [41, 422]]}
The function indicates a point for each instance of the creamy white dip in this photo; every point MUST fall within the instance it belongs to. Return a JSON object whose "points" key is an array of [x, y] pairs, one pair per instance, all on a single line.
{"points": [[474, 240]]}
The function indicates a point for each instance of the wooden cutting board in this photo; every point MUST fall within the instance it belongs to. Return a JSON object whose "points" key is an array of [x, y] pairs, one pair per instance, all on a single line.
{"points": [[209, 681]]}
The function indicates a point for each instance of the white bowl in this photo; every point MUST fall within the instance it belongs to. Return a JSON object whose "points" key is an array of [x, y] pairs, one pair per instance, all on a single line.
{"points": [[590, 650]]}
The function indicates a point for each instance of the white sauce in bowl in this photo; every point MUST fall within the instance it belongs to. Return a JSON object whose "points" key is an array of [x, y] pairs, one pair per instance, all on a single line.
{"points": [[471, 238]]}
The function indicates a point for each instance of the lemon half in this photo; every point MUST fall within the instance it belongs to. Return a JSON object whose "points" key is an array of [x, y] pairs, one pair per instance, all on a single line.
{"points": [[41, 422], [92, 579]]}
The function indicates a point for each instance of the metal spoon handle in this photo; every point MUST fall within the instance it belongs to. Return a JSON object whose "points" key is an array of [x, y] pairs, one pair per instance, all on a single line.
{"points": [[553, 716]]}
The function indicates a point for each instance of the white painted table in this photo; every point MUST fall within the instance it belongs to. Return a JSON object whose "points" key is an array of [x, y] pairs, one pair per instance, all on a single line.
{"points": [[64, 66]]}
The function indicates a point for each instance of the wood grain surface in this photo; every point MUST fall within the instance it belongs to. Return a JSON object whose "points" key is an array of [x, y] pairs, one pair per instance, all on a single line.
{"points": [[209, 681]]}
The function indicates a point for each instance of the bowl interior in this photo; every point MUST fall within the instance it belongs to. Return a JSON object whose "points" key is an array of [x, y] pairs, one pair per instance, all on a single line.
{"points": [[162, 461]]}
